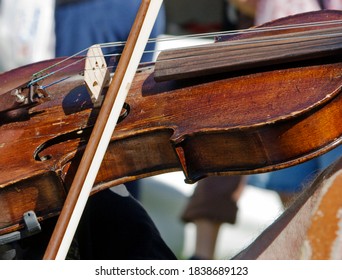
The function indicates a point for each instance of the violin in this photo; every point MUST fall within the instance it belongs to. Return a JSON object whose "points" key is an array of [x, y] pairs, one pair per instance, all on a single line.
{"points": [[222, 119]]}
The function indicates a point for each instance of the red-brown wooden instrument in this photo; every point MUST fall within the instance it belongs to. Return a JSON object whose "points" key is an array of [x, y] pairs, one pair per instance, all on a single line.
{"points": [[231, 121]]}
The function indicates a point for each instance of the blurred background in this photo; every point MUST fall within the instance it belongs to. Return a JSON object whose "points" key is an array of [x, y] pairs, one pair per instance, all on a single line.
{"points": [[165, 196]]}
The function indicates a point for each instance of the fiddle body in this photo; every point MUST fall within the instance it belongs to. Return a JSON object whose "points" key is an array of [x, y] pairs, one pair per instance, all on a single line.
{"points": [[240, 122]]}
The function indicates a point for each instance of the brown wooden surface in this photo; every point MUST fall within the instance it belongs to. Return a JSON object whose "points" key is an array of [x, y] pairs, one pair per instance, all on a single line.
{"points": [[44, 194], [86, 166], [237, 123], [221, 57], [324, 236], [310, 228]]}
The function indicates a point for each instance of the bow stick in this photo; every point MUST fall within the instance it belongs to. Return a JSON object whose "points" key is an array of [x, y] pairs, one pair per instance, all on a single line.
{"points": [[103, 129]]}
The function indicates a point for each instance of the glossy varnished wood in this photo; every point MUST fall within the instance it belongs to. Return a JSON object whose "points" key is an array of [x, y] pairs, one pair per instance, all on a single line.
{"points": [[231, 123], [221, 57]]}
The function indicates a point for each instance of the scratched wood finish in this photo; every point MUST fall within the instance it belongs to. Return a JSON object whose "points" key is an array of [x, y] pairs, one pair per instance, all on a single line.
{"points": [[236, 123], [221, 57], [310, 228], [324, 236], [44, 194]]}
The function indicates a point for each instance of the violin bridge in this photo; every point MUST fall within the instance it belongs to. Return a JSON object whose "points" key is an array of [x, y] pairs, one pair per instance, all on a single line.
{"points": [[96, 74]]}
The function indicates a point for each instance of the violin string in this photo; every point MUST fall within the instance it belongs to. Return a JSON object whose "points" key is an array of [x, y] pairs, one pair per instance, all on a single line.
{"points": [[41, 78], [267, 40], [250, 44], [141, 66], [42, 74], [55, 82], [206, 35], [232, 43], [152, 51], [230, 32]]}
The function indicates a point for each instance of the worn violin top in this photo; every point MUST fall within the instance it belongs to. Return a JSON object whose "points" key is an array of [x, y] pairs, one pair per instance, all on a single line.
{"points": [[236, 120]]}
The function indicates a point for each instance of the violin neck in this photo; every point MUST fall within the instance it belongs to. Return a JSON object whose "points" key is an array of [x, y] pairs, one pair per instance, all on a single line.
{"points": [[248, 53]]}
